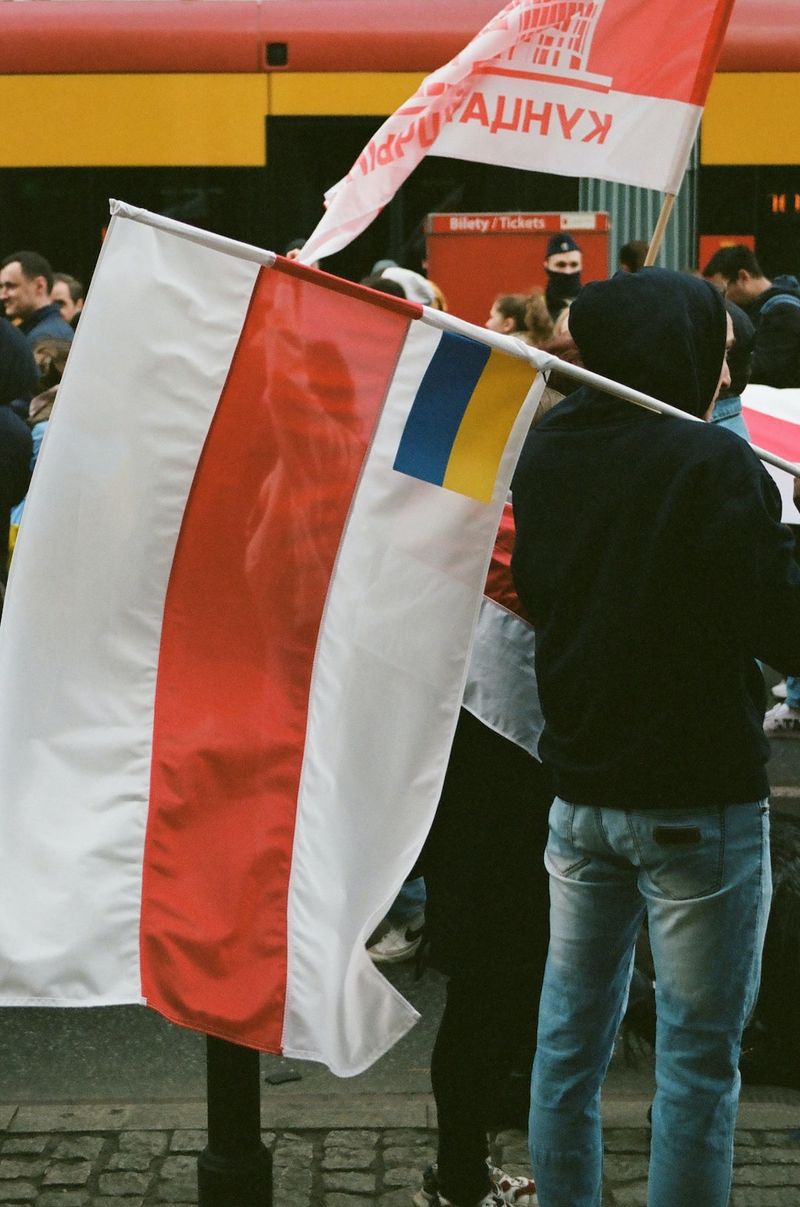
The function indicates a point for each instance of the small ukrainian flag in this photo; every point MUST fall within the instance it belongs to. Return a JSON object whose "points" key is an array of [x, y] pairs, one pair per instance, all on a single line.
{"points": [[462, 415]]}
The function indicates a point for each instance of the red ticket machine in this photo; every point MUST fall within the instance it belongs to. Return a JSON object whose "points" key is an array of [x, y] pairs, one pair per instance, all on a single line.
{"points": [[474, 257]]}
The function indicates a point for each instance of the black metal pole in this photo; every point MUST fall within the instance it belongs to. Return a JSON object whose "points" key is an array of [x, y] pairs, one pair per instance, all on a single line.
{"points": [[235, 1169]]}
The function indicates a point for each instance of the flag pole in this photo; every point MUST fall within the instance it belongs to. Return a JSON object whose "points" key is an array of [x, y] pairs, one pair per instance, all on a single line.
{"points": [[658, 233], [235, 1167]]}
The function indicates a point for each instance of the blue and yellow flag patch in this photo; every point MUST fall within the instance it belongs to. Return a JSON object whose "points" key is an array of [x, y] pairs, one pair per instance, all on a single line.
{"points": [[462, 415]]}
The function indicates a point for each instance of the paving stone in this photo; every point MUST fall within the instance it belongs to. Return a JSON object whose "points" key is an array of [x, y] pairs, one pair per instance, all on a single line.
{"points": [[348, 1158], [620, 1168], [178, 1166], [402, 1175], [766, 1156], [512, 1152], [21, 1167], [632, 1196], [124, 1182], [345, 1179], [766, 1175], [294, 1179], [510, 1136], [176, 1192], [24, 1144], [154, 1143], [68, 1173], [343, 1167], [514, 1169], [127, 1201], [86, 1147], [772, 1196], [782, 1156], [414, 1158], [17, 1192], [188, 1140], [748, 1156], [790, 1136], [137, 1161], [745, 1138], [627, 1140], [406, 1137], [355, 1138], [293, 1152], [63, 1198]]}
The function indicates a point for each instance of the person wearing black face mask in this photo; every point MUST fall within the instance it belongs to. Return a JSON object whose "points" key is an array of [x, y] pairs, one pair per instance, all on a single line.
{"points": [[563, 264]]}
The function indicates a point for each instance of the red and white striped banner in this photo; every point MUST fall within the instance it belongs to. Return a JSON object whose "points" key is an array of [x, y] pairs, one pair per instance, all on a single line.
{"points": [[612, 89], [773, 421]]}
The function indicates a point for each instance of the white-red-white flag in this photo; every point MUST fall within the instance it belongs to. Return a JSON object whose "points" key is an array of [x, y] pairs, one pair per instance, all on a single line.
{"points": [[773, 421], [235, 641], [612, 89]]}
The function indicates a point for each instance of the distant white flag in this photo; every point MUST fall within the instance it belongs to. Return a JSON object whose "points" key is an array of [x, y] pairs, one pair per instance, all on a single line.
{"points": [[611, 89]]}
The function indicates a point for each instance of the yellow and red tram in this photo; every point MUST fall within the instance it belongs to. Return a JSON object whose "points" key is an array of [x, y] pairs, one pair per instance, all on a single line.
{"points": [[238, 114]]}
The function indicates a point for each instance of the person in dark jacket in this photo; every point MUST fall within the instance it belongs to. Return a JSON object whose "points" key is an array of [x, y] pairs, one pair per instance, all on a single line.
{"points": [[651, 559], [26, 279], [774, 308], [18, 378], [19, 375]]}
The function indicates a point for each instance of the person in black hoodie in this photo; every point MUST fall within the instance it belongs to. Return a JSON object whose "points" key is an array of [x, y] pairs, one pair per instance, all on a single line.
{"points": [[18, 377], [651, 559]]}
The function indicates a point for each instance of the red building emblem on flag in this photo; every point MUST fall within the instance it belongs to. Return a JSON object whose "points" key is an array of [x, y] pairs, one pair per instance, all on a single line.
{"points": [[555, 43]]}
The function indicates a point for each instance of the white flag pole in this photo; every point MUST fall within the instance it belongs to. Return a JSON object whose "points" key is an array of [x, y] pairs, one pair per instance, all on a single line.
{"points": [[544, 362]]}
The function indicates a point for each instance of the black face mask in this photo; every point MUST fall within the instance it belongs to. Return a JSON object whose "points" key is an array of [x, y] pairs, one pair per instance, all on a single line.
{"points": [[563, 284]]}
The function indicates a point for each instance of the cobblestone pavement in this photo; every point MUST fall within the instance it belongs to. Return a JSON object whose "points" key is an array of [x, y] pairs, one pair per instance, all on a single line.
{"points": [[132, 1157]]}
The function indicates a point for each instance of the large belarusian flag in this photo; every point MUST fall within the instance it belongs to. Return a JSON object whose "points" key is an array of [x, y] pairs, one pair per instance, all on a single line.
{"points": [[235, 639]]}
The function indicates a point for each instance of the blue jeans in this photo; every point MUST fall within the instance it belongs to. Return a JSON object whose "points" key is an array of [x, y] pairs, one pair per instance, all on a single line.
{"points": [[793, 691], [702, 879]]}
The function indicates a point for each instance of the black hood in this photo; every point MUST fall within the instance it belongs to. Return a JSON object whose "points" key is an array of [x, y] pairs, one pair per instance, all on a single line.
{"points": [[657, 331], [19, 376]]}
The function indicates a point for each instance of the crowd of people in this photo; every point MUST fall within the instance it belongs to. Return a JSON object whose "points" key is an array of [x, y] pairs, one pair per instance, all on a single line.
{"points": [[651, 559], [39, 311]]}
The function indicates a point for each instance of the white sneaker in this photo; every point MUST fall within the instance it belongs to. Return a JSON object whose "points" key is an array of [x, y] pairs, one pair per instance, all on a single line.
{"points": [[505, 1191], [521, 1192], [782, 722], [399, 943], [779, 690], [438, 1200]]}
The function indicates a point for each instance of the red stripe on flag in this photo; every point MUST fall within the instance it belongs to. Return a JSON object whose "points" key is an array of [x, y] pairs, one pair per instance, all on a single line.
{"points": [[256, 551], [779, 436]]}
